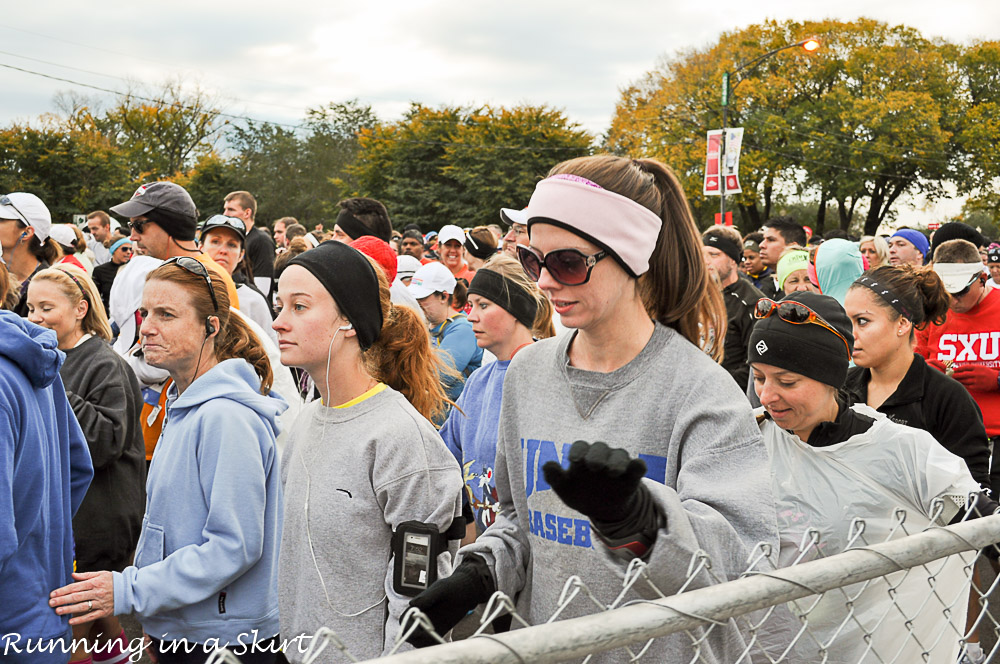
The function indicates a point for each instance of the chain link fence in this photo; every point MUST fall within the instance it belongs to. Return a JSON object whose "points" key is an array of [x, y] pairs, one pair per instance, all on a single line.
{"points": [[914, 597]]}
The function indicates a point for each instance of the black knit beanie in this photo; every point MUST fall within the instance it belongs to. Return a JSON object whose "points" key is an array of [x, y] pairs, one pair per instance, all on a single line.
{"points": [[810, 350], [178, 226], [350, 278]]}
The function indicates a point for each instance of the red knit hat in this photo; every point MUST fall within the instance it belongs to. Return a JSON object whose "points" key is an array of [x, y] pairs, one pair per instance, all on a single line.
{"points": [[380, 251]]}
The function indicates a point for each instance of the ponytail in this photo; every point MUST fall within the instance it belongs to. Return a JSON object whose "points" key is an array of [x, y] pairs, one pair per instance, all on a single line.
{"points": [[677, 290], [920, 292], [404, 359], [238, 340]]}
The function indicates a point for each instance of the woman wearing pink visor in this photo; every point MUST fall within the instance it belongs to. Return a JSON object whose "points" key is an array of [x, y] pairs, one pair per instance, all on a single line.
{"points": [[623, 438]]}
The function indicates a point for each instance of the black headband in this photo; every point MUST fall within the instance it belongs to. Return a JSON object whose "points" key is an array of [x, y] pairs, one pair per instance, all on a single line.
{"points": [[352, 225], [504, 292], [478, 249], [887, 295], [350, 278], [725, 245]]}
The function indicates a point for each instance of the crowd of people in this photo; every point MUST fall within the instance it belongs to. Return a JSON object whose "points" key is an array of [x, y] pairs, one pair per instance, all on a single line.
{"points": [[241, 434]]}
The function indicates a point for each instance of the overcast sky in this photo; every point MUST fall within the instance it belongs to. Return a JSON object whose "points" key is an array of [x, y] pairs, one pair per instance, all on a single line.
{"points": [[271, 60]]}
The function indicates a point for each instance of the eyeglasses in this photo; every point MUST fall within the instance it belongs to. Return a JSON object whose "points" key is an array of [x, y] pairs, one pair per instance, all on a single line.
{"points": [[138, 225], [795, 313], [196, 268], [5, 200], [570, 267]]}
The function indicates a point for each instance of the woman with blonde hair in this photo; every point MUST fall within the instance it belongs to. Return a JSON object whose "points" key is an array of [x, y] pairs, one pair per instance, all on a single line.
{"points": [[615, 248], [205, 570], [361, 461], [106, 400], [508, 313], [875, 249]]}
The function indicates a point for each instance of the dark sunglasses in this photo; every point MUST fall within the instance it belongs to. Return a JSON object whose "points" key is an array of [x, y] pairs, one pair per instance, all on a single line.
{"points": [[570, 267], [795, 313], [138, 225], [5, 200], [196, 268]]}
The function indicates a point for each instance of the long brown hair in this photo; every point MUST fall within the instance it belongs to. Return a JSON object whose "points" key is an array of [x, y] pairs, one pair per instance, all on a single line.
{"points": [[404, 359], [9, 294], [235, 339], [676, 290]]}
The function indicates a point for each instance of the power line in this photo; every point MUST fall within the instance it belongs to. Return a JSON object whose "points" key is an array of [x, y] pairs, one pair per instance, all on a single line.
{"points": [[149, 99], [279, 124]]}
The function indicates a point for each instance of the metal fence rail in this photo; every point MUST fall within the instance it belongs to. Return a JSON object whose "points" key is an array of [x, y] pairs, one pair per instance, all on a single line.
{"points": [[638, 623], [929, 625]]}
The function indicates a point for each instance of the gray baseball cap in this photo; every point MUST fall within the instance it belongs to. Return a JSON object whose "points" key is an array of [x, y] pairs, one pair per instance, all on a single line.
{"points": [[166, 196]]}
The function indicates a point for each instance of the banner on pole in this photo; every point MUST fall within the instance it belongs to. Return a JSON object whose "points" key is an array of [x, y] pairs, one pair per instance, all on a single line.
{"points": [[731, 160], [712, 186], [729, 219]]}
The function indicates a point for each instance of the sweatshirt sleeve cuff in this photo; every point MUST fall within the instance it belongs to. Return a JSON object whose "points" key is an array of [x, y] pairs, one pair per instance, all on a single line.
{"points": [[119, 580]]}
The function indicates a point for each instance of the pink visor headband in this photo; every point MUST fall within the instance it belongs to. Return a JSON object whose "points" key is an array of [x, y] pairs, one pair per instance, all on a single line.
{"points": [[619, 225]]}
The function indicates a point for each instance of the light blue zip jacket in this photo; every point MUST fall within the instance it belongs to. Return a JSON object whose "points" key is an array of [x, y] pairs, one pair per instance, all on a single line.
{"points": [[206, 566]]}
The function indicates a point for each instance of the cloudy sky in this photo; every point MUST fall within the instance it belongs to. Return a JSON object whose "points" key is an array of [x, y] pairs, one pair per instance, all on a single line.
{"points": [[271, 60]]}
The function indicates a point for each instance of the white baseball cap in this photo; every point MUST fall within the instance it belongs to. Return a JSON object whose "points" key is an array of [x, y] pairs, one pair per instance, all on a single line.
{"points": [[63, 234], [511, 216], [451, 232], [406, 266], [431, 278], [29, 209]]}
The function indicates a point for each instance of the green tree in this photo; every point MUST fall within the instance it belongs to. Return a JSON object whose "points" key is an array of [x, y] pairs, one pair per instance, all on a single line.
{"points": [[456, 165], [72, 171], [300, 173]]}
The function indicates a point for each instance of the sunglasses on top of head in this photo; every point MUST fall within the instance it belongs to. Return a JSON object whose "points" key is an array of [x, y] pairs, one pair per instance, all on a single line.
{"points": [[795, 313], [196, 268], [570, 267]]}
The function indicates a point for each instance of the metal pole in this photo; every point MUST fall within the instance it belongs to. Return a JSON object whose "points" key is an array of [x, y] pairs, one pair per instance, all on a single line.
{"points": [[722, 148], [629, 625]]}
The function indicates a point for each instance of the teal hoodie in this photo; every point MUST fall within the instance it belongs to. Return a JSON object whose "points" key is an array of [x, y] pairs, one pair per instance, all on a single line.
{"points": [[206, 566], [838, 265], [45, 469]]}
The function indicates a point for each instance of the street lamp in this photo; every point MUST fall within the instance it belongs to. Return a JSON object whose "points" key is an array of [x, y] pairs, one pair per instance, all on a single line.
{"points": [[810, 45]]}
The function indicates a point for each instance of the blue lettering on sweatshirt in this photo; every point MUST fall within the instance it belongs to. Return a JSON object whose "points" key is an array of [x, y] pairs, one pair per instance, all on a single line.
{"points": [[554, 527]]}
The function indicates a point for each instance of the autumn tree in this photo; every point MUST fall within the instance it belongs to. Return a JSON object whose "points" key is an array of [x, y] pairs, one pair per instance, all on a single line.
{"points": [[457, 165], [861, 122]]}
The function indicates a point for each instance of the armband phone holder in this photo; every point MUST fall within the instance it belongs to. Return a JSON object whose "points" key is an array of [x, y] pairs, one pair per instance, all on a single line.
{"points": [[415, 548]]}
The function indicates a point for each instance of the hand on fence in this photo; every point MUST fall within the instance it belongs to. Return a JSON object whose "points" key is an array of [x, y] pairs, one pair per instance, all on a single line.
{"points": [[602, 483], [449, 600]]}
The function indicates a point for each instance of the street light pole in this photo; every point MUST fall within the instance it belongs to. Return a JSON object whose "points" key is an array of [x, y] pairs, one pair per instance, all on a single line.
{"points": [[809, 45]]}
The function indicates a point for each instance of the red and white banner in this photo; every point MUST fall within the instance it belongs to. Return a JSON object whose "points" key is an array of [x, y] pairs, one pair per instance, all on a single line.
{"points": [[731, 160], [712, 185]]}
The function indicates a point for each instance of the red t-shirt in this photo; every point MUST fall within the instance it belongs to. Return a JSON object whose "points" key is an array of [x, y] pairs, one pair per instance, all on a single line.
{"points": [[970, 338]]}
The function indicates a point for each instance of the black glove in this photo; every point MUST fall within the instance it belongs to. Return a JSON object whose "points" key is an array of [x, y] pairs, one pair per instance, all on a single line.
{"points": [[450, 599], [601, 483]]}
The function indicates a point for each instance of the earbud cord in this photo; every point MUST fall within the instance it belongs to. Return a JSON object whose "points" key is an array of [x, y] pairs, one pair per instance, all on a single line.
{"points": [[312, 551]]}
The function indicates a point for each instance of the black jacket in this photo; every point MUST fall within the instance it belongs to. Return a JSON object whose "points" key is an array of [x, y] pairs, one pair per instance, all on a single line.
{"points": [[741, 298], [764, 282], [260, 249], [105, 397], [927, 399]]}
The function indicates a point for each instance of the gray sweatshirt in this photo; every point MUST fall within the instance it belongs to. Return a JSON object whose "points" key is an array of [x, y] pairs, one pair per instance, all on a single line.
{"points": [[707, 470], [351, 475]]}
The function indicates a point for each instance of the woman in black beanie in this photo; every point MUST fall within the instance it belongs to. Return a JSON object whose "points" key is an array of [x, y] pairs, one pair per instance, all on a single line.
{"points": [[832, 464]]}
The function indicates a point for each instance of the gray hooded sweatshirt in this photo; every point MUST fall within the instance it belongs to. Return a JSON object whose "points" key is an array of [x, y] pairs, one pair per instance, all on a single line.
{"points": [[708, 473], [351, 475]]}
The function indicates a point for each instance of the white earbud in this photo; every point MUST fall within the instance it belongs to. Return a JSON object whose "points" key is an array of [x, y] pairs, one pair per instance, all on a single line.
{"points": [[346, 327]]}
